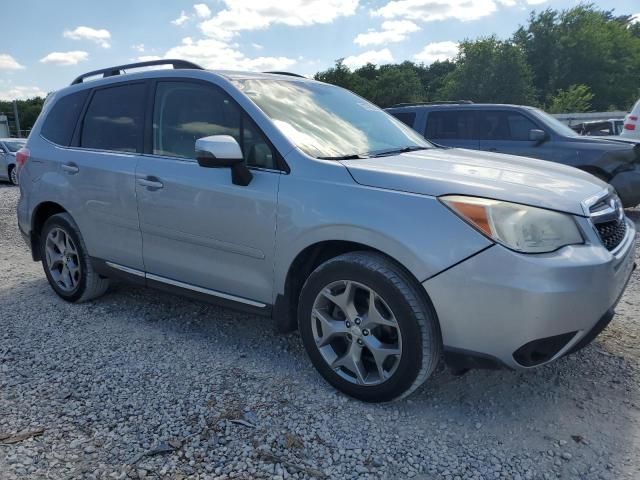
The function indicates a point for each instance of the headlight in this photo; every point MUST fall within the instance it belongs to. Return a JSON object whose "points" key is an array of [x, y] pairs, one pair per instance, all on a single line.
{"points": [[518, 227]]}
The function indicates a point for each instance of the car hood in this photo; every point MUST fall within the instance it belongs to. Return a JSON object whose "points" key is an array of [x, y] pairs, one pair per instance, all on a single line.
{"points": [[440, 171]]}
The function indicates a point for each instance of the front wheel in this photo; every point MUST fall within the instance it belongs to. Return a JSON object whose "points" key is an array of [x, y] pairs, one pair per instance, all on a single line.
{"points": [[367, 327], [13, 175]]}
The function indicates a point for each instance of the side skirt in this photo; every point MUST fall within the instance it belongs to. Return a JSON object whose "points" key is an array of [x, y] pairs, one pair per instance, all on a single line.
{"points": [[138, 277]]}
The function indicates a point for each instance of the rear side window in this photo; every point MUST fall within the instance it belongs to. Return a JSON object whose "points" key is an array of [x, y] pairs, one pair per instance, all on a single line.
{"points": [[408, 118], [503, 125], [115, 119], [451, 125], [61, 120], [187, 111]]}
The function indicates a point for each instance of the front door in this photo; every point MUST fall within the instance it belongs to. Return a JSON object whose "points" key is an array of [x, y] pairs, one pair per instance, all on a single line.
{"points": [[200, 230]]}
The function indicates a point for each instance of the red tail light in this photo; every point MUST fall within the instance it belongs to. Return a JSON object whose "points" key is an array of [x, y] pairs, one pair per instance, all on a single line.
{"points": [[22, 156], [629, 126]]}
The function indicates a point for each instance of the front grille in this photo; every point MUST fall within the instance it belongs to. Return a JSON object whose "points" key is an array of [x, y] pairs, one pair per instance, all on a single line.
{"points": [[612, 233], [608, 218]]}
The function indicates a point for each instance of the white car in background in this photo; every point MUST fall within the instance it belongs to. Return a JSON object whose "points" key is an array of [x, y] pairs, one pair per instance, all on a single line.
{"points": [[631, 124], [8, 149]]}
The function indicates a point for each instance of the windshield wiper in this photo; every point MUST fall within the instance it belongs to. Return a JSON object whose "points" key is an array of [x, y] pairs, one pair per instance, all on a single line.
{"points": [[353, 156], [412, 148]]}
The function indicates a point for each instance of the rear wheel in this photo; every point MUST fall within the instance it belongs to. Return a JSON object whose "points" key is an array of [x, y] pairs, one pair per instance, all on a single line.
{"points": [[13, 175], [66, 263], [367, 328]]}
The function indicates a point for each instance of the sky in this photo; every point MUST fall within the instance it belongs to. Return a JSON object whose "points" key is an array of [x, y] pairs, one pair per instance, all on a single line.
{"points": [[46, 43]]}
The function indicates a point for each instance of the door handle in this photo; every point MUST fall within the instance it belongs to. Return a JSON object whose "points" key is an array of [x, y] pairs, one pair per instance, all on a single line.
{"points": [[151, 183], [71, 168]]}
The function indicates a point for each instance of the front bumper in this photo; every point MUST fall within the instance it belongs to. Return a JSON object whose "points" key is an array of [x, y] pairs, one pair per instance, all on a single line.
{"points": [[627, 185], [499, 306]]}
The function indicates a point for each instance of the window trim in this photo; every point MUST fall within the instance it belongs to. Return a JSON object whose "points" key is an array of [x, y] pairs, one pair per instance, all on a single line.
{"points": [[77, 134], [281, 164]]}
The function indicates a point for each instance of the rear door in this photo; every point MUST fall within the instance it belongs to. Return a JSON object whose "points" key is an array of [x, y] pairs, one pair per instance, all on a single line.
{"points": [[452, 128], [201, 231], [99, 173]]}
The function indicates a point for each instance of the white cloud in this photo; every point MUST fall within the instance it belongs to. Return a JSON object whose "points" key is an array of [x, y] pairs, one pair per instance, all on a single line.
{"points": [[100, 36], [392, 31], [65, 58], [636, 18], [148, 58], [261, 14], [377, 57], [257, 46], [202, 10], [216, 54], [432, 10], [437, 52], [181, 20], [20, 92], [7, 62], [138, 47]]}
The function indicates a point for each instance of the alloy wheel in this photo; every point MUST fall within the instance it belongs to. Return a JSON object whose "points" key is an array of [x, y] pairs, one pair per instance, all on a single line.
{"points": [[356, 333], [13, 176], [63, 261]]}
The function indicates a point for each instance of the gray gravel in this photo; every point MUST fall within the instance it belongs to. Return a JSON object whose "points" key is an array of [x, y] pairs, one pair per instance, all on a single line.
{"points": [[141, 384]]}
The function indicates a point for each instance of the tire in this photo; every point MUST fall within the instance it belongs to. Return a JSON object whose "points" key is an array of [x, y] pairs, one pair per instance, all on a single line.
{"points": [[82, 283], [402, 319], [13, 175]]}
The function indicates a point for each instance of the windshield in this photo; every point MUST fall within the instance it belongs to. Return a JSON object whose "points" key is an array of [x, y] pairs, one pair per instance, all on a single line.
{"points": [[555, 124], [14, 146], [325, 121]]}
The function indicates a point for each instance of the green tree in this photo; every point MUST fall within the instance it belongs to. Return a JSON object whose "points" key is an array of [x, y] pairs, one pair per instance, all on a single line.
{"points": [[583, 45], [490, 70], [577, 98]]}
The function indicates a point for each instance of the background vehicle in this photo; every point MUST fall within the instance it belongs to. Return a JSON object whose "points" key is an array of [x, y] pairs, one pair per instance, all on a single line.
{"points": [[631, 127], [529, 132], [8, 149], [292, 198], [599, 128]]}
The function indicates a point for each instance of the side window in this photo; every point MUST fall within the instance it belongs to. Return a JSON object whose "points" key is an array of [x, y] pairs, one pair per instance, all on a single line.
{"points": [[502, 125], [450, 124], [61, 120], [115, 119], [408, 118], [184, 112]]}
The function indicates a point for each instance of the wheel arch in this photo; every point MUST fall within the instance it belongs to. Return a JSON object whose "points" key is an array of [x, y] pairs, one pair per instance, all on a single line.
{"points": [[306, 261], [596, 172], [40, 215]]}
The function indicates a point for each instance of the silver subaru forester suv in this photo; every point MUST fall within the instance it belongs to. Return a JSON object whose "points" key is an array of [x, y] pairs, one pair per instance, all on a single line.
{"points": [[301, 201]]}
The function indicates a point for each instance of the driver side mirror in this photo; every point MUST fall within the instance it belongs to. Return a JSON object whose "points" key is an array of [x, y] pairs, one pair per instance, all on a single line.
{"points": [[223, 151], [537, 136]]}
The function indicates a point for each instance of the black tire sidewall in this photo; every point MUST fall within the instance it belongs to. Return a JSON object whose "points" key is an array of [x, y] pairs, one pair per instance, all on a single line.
{"points": [[412, 348], [12, 170], [60, 221]]}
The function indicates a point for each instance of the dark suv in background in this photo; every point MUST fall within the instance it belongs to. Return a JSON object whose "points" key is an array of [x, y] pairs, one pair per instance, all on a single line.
{"points": [[528, 132]]}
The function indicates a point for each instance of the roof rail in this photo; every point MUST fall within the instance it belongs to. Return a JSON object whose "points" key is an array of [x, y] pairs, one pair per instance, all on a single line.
{"points": [[120, 69], [443, 102], [290, 74]]}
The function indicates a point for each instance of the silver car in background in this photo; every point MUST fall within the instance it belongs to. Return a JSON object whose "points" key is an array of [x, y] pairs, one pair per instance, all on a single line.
{"points": [[301, 201], [8, 149]]}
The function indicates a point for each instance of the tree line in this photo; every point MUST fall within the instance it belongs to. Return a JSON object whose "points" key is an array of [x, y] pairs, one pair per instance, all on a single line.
{"points": [[576, 60]]}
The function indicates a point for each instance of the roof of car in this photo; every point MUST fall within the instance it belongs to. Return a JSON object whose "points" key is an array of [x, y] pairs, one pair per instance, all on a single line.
{"points": [[455, 105]]}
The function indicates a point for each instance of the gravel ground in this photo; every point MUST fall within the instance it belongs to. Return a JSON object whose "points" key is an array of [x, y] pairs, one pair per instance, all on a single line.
{"points": [[146, 385]]}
